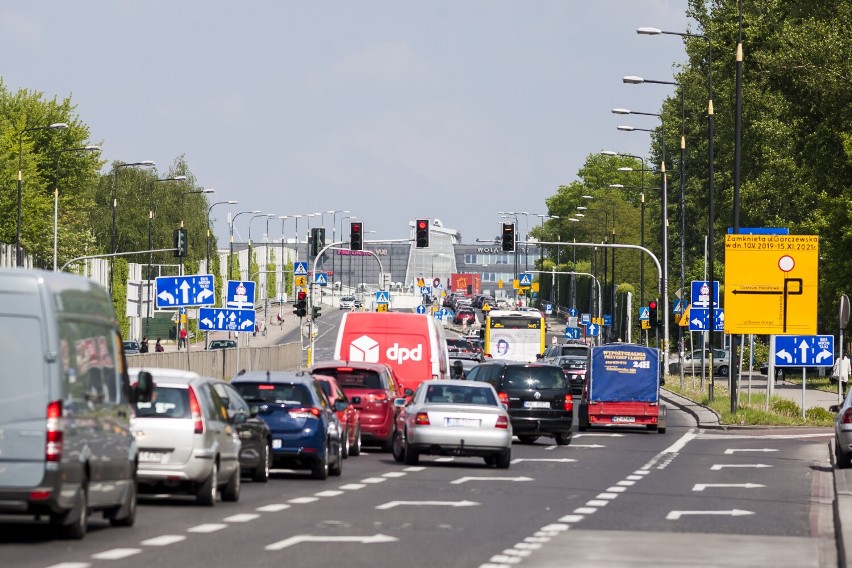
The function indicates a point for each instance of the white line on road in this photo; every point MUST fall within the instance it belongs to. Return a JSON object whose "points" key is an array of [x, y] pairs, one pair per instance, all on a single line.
{"points": [[163, 540], [329, 493], [303, 500], [392, 504], [557, 460], [675, 515], [117, 553], [466, 479], [353, 486], [374, 480], [293, 540], [718, 466], [241, 518], [71, 565], [703, 486], [207, 528], [600, 434], [394, 474], [732, 450], [274, 508]]}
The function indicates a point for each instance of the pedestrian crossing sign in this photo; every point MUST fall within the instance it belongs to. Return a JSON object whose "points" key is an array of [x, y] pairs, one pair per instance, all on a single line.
{"points": [[300, 269]]}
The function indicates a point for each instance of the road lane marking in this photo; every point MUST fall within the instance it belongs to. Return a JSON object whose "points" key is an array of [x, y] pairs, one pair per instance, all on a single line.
{"points": [[615, 489], [298, 539], [730, 451], [274, 508], [117, 553], [585, 510], [207, 528], [163, 540], [703, 486], [555, 460], [676, 515], [374, 480], [303, 500], [466, 479], [71, 565], [607, 495], [392, 504], [394, 474], [596, 503], [241, 518], [571, 518], [329, 493], [353, 486], [718, 466]]}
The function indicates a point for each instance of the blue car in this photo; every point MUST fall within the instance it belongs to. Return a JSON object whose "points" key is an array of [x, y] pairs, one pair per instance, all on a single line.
{"points": [[306, 434]]}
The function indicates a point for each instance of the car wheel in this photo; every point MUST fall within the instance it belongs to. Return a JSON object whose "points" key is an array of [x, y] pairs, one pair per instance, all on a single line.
{"points": [[320, 467], [345, 442], [562, 439], [412, 456], [723, 370], [355, 447], [125, 515], [207, 491], [843, 460], [490, 460], [261, 472], [504, 460], [528, 439], [231, 491], [398, 447], [74, 523], [337, 468]]}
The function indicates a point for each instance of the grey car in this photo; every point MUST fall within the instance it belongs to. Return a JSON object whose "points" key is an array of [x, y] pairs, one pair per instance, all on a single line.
{"points": [[843, 432], [187, 441], [693, 363]]}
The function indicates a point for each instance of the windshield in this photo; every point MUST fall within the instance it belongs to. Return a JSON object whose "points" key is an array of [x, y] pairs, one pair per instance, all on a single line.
{"points": [[166, 402], [534, 378], [349, 378], [287, 394], [460, 395]]}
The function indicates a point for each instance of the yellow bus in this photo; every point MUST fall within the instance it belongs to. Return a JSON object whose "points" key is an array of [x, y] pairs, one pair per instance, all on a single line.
{"points": [[514, 335]]}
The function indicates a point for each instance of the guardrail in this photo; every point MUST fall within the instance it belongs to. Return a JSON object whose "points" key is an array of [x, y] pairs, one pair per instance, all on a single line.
{"points": [[224, 363]]}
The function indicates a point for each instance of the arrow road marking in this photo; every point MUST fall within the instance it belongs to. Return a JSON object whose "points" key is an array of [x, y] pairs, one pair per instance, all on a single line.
{"points": [[703, 486], [717, 466], [675, 515], [392, 504], [293, 540], [465, 479], [731, 451]]}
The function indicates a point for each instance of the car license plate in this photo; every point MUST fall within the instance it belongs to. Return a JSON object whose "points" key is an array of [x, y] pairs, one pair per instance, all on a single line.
{"points": [[276, 444], [152, 457], [461, 421], [624, 419], [536, 404]]}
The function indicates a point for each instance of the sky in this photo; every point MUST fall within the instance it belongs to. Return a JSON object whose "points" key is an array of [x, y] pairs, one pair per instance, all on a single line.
{"points": [[393, 110]]}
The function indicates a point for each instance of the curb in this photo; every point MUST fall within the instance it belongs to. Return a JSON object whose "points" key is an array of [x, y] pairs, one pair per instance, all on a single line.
{"points": [[689, 406]]}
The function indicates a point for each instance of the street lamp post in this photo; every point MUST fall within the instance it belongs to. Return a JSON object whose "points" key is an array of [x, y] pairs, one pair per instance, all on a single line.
{"points": [[207, 244], [544, 216], [253, 217], [89, 148], [231, 251], [113, 245], [711, 216], [19, 260]]}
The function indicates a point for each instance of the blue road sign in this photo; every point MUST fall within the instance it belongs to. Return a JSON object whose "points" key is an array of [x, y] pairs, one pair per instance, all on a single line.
{"points": [[177, 291], [240, 295], [593, 329], [572, 333], [548, 309], [321, 279], [701, 294], [677, 308], [573, 312], [225, 319], [525, 279], [300, 269], [699, 319], [608, 320], [421, 309], [760, 231], [804, 350], [644, 313], [382, 297], [585, 318]]}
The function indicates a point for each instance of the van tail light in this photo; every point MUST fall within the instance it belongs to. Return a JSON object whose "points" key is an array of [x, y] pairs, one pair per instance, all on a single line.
{"points": [[847, 416], [569, 402], [421, 419], [502, 423], [309, 412], [195, 410], [504, 398], [53, 443]]}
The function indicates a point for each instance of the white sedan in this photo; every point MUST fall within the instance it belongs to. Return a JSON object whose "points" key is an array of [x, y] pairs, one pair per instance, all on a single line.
{"points": [[453, 418]]}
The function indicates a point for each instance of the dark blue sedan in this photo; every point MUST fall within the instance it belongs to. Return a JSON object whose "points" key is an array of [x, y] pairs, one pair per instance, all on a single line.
{"points": [[305, 430]]}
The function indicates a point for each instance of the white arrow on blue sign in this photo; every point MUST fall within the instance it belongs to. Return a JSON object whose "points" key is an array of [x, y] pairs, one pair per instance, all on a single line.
{"points": [[572, 333], [592, 329], [804, 350], [699, 319], [701, 294], [421, 309], [240, 294], [177, 291], [573, 312], [225, 319]]}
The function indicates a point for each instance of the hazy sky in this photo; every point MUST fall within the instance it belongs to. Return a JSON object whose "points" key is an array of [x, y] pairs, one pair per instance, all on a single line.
{"points": [[391, 109]]}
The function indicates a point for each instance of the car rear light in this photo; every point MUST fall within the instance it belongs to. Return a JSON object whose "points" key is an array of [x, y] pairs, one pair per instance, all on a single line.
{"points": [[345, 369], [504, 399], [381, 397], [40, 495], [502, 422], [195, 410], [421, 419], [305, 412], [847, 416], [53, 443], [266, 387], [569, 402]]}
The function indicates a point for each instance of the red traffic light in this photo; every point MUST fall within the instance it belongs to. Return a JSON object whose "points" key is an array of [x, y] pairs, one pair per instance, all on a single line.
{"points": [[422, 224], [652, 304], [356, 227], [302, 295]]}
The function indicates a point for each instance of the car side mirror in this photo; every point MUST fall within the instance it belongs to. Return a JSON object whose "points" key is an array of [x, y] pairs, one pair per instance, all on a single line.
{"points": [[408, 392], [340, 405], [254, 410], [144, 388], [238, 417], [539, 355], [835, 408], [399, 402]]}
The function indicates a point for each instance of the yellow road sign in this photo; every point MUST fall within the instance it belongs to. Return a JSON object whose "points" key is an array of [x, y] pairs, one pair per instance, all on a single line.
{"points": [[516, 283], [486, 308], [646, 324], [535, 286], [301, 280], [684, 318], [771, 284], [500, 283], [381, 307]]}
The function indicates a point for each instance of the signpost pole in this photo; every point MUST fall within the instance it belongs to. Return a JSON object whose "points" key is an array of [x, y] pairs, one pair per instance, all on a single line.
{"points": [[804, 371]]}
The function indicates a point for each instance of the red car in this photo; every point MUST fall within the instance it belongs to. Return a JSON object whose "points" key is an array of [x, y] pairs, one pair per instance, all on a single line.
{"points": [[465, 315], [349, 417], [372, 388]]}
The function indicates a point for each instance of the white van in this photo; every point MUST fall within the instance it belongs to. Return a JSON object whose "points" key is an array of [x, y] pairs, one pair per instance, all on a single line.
{"points": [[66, 447], [412, 344]]}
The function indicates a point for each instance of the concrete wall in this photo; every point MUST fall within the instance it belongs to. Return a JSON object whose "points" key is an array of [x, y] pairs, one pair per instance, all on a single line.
{"points": [[224, 363]]}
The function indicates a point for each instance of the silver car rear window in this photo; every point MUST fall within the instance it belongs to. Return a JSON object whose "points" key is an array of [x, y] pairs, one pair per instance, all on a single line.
{"points": [[167, 402]]}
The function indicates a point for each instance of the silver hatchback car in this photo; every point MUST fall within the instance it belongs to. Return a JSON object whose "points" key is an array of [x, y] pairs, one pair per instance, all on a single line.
{"points": [[843, 432], [187, 442]]}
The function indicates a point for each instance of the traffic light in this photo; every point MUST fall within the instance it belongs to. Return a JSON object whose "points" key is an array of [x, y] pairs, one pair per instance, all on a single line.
{"points": [[652, 313], [301, 308], [508, 237], [315, 312], [317, 240], [421, 233], [356, 235], [180, 245]]}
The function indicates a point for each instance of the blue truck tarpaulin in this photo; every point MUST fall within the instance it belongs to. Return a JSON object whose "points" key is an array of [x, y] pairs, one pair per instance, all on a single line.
{"points": [[624, 373]]}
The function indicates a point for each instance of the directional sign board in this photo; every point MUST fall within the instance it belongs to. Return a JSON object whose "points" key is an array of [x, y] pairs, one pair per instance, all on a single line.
{"points": [[382, 297], [699, 319], [771, 284], [321, 279], [804, 350], [525, 279], [573, 312], [240, 295], [225, 319], [177, 291], [593, 329], [572, 333], [421, 309], [585, 319], [607, 320], [701, 294]]}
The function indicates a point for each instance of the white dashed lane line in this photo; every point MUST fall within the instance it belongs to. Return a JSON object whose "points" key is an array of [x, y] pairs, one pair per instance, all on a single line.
{"points": [[303, 500], [329, 493], [116, 553], [163, 540], [241, 518], [207, 528], [273, 508], [353, 486]]}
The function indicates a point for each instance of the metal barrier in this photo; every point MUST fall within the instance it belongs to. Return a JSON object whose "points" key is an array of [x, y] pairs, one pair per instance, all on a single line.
{"points": [[224, 363]]}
